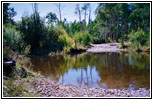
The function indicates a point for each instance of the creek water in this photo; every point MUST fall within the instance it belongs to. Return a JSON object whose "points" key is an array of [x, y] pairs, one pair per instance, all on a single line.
{"points": [[105, 70]]}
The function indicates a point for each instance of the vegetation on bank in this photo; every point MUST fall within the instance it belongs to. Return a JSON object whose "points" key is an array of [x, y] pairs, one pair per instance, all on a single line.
{"points": [[114, 22], [17, 88], [18, 83]]}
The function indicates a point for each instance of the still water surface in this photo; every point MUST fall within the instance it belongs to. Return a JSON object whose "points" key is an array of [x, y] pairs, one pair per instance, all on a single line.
{"points": [[106, 70]]}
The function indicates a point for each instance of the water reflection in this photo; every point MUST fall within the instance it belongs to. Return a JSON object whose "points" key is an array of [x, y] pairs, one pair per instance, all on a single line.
{"points": [[106, 70]]}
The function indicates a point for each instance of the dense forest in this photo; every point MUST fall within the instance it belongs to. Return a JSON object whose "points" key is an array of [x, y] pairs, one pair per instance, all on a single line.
{"points": [[114, 22]]}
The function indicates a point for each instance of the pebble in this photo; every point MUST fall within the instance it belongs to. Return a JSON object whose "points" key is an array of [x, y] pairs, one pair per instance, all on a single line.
{"points": [[49, 88]]}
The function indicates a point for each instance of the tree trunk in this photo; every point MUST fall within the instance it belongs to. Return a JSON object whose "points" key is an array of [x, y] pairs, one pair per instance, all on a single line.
{"points": [[79, 15], [85, 16], [89, 15], [75, 45], [89, 19], [59, 7]]}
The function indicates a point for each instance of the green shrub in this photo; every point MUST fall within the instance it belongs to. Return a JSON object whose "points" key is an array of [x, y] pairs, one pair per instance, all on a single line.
{"points": [[137, 37], [65, 42], [59, 30], [13, 39], [6, 52], [32, 29], [122, 43], [109, 40], [13, 88], [10, 36], [82, 37]]}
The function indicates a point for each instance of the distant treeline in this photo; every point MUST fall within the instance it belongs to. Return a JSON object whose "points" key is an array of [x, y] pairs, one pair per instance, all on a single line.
{"points": [[113, 22]]}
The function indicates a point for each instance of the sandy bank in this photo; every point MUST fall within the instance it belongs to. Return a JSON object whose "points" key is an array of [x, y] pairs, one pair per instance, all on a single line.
{"points": [[105, 47]]}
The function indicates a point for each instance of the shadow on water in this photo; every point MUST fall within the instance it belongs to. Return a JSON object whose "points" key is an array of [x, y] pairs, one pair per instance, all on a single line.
{"points": [[106, 70]]}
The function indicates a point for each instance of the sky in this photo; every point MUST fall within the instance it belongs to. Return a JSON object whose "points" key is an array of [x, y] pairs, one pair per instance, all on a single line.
{"points": [[68, 10]]}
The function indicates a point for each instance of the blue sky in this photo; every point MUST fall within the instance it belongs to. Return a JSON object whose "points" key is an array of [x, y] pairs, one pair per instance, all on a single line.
{"points": [[44, 8]]}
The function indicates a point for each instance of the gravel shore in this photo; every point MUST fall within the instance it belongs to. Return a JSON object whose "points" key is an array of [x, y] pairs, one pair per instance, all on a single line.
{"points": [[48, 88], [105, 47]]}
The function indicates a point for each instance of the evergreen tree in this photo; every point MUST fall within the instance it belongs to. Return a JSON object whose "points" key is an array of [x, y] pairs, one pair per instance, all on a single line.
{"points": [[8, 14]]}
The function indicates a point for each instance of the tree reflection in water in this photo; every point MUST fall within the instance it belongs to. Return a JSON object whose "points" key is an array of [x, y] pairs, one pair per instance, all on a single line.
{"points": [[107, 70]]}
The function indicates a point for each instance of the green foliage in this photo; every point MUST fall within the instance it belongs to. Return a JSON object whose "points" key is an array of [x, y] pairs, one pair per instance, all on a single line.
{"points": [[83, 37], [122, 43], [44, 39], [97, 32], [13, 39], [66, 25], [5, 12], [75, 27], [108, 26], [59, 30], [116, 21], [113, 21], [147, 37], [23, 62], [6, 52], [109, 40], [65, 42], [138, 37], [52, 17], [32, 29], [8, 14], [140, 16], [12, 88], [10, 35]]}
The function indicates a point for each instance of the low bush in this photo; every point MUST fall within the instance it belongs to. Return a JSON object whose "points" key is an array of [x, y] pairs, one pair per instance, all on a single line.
{"points": [[82, 37], [6, 51], [65, 43], [13, 39], [137, 37], [16, 88], [11, 36]]}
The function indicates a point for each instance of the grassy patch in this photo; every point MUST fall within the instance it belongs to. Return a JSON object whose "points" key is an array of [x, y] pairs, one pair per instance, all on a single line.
{"points": [[16, 88], [13, 86], [6, 51]]}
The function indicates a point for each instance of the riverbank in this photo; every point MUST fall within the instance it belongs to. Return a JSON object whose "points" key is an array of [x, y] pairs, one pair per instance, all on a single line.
{"points": [[20, 86], [48, 88], [105, 47], [116, 47], [43, 87]]}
